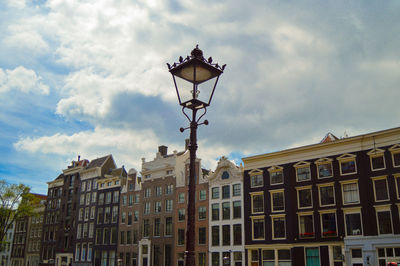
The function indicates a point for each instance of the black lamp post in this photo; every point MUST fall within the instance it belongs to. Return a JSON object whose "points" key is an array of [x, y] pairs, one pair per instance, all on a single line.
{"points": [[193, 75]]}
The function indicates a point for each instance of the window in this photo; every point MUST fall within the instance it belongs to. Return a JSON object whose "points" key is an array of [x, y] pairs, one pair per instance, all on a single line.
{"points": [[89, 253], [324, 167], [129, 218], [116, 197], [136, 216], [226, 235], [254, 257], [158, 191], [181, 198], [215, 193], [226, 192], [328, 223], [202, 236], [168, 205], [146, 209], [168, 226], [202, 195], [395, 151], [114, 218], [257, 180], [353, 223], [181, 237], [377, 159], [147, 192], [91, 230], [77, 252], [389, 254], [215, 235], [124, 200], [181, 215], [384, 220], [80, 216], [202, 213], [137, 198], [326, 195], [347, 163], [380, 189], [130, 200], [88, 198], [215, 259], [303, 171], [225, 175], [257, 203], [146, 227], [82, 199], [268, 257], [106, 236], [304, 196], [258, 228], [131, 186], [276, 175], [108, 197], [215, 212], [278, 201], [101, 198], [157, 207], [226, 211], [397, 177], [107, 215], [237, 234], [279, 228], [94, 197], [157, 226], [114, 235], [306, 224], [202, 259], [169, 189], [237, 209], [350, 192], [100, 216], [236, 190]]}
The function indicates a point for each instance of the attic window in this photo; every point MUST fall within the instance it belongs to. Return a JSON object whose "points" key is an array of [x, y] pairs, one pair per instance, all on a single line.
{"points": [[225, 175], [395, 150], [303, 171], [347, 164]]}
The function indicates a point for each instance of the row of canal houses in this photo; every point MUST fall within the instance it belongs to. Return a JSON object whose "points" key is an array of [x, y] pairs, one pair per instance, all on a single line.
{"points": [[333, 203]]}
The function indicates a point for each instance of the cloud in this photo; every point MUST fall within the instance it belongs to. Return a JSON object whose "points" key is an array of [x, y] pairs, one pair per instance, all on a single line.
{"points": [[22, 79]]}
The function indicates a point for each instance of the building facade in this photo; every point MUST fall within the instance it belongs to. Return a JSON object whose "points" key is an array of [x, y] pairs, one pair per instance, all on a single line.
{"points": [[332, 203], [226, 229], [6, 249], [19, 242]]}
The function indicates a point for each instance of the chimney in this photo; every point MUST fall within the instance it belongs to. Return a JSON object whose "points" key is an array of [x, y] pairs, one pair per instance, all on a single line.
{"points": [[187, 141], [163, 150]]}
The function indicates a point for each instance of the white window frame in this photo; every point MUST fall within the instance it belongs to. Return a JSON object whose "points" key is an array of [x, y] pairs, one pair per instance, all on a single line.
{"points": [[300, 214], [324, 161], [252, 194], [272, 199], [331, 184], [256, 172], [347, 157], [275, 169], [346, 182], [273, 216], [383, 208], [356, 210], [397, 183], [322, 226], [298, 197], [377, 178], [260, 217], [299, 165], [374, 154], [395, 149]]}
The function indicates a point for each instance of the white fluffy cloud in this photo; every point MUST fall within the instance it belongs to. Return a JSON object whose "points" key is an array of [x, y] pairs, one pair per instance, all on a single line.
{"points": [[22, 79]]}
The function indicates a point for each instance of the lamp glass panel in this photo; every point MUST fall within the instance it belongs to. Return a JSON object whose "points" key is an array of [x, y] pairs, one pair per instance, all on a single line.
{"points": [[185, 89], [204, 90], [202, 74]]}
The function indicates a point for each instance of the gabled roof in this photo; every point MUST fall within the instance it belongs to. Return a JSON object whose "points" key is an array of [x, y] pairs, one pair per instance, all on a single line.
{"points": [[329, 138], [117, 172], [98, 162]]}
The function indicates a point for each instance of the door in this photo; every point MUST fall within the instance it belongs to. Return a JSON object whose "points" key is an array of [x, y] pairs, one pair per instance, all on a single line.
{"points": [[144, 261], [312, 257]]}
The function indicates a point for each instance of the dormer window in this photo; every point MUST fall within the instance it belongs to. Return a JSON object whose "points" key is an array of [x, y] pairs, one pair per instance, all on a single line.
{"points": [[303, 171], [276, 175], [347, 164], [324, 167], [377, 159]]}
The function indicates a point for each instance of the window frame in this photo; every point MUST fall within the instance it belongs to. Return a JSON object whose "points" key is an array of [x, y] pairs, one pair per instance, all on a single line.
{"points": [[378, 178], [300, 165], [397, 183], [346, 182], [394, 150], [344, 158], [303, 214], [375, 153], [298, 189], [332, 184], [322, 225], [276, 191], [384, 208], [324, 161], [259, 193], [259, 174], [253, 218], [356, 210], [273, 170], [278, 216]]}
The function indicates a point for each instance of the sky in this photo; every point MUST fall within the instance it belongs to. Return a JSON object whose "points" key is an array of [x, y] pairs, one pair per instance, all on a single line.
{"points": [[89, 78]]}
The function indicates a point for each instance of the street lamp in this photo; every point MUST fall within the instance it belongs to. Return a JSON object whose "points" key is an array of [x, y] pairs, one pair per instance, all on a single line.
{"points": [[193, 75]]}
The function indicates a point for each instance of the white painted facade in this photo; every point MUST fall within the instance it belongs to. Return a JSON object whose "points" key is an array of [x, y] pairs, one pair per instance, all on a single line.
{"points": [[5, 255], [226, 174]]}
